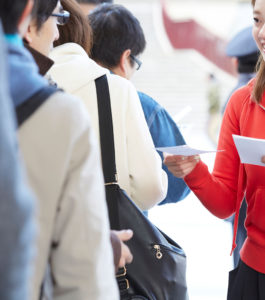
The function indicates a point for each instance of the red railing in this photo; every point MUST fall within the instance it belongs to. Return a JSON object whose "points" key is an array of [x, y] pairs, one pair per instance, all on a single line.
{"points": [[189, 34]]}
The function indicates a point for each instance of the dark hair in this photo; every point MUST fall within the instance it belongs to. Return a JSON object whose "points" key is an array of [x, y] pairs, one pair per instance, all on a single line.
{"points": [[44, 9], [10, 13], [115, 30], [247, 63], [94, 1], [77, 29]]}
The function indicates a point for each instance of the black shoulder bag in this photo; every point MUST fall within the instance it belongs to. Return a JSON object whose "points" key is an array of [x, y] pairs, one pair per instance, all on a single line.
{"points": [[158, 270]]}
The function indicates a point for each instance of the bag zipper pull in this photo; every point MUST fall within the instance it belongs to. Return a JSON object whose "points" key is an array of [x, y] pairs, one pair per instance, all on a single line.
{"points": [[159, 254]]}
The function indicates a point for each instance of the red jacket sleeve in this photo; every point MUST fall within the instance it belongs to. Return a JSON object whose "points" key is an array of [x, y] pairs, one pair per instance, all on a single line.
{"points": [[218, 191]]}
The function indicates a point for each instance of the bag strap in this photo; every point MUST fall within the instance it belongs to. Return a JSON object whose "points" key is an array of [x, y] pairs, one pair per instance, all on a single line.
{"points": [[106, 131], [107, 149], [28, 107], [109, 167]]}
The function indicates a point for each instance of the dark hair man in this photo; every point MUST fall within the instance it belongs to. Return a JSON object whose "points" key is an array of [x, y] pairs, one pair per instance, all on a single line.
{"points": [[118, 40], [62, 161], [88, 5]]}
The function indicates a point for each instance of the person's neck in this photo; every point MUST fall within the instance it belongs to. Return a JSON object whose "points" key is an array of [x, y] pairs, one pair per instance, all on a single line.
{"points": [[118, 71]]}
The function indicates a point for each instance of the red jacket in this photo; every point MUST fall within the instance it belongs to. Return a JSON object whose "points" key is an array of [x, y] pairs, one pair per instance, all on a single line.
{"points": [[222, 191]]}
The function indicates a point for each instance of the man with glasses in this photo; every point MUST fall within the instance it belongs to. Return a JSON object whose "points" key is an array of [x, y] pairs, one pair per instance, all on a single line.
{"points": [[118, 40]]}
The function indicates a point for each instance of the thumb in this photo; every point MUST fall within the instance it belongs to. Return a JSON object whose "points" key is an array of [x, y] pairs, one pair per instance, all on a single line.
{"points": [[124, 235]]}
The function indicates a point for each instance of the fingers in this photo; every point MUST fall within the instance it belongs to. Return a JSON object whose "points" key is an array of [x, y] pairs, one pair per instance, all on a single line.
{"points": [[263, 159], [169, 158], [126, 255], [181, 166], [124, 235], [183, 172]]}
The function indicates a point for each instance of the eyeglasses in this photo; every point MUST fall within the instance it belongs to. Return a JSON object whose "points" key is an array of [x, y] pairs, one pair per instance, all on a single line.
{"points": [[62, 17], [137, 61]]}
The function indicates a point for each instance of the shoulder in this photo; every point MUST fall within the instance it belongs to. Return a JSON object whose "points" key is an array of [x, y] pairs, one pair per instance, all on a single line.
{"points": [[122, 90], [65, 101], [64, 112], [148, 101], [119, 82], [149, 105]]}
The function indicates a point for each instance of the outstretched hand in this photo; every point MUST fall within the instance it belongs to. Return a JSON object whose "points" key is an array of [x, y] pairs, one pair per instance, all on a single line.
{"points": [[179, 165]]}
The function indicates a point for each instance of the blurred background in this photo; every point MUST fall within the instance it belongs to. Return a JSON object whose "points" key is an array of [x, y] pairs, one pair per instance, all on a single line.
{"points": [[186, 43]]}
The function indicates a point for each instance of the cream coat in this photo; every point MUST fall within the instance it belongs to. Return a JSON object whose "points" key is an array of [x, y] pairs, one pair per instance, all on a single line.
{"points": [[139, 167], [63, 167]]}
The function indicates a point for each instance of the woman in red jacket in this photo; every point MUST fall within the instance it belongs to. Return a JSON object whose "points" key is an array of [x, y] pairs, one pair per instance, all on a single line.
{"points": [[222, 191]]}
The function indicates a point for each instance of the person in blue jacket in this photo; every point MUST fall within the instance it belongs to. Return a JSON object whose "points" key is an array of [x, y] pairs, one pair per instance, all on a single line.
{"points": [[118, 40], [164, 132], [17, 226]]}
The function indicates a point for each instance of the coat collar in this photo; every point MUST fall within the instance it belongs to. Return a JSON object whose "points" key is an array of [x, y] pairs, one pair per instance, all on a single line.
{"points": [[44, 63]]}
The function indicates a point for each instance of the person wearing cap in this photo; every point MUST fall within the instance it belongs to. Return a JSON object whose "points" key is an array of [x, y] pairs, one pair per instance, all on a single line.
{"points": [[245, 53]]}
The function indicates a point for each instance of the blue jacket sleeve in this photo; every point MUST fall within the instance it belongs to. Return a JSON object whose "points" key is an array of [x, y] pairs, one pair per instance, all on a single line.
{"points": [[16, 205], [164, 132]]}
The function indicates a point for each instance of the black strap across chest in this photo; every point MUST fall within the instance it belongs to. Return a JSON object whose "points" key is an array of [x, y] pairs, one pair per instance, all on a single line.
{"points": [[28, 107]]}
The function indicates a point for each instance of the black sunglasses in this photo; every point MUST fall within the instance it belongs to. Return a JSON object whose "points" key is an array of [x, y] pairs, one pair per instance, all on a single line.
{"points": [[62, 17], [137, 61]]}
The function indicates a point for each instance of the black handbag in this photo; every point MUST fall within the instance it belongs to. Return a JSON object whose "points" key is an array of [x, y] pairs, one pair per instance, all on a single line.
{"points": [[158, 270]]}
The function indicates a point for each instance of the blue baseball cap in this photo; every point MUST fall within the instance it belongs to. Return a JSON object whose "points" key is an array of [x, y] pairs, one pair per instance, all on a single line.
{"points": [[242, 44]]}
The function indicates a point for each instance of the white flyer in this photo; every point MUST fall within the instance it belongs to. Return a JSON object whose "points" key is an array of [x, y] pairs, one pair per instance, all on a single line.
{"points": [[184, 150], [250, 150]]}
